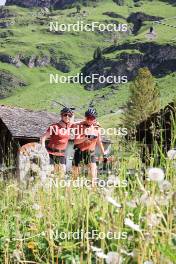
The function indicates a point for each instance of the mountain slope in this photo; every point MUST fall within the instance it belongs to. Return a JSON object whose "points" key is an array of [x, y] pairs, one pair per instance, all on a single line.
{"points": [[43, 3], [31, 52]]}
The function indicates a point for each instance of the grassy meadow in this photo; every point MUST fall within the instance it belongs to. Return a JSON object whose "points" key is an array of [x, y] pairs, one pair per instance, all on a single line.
{"points": [[129, 216]]}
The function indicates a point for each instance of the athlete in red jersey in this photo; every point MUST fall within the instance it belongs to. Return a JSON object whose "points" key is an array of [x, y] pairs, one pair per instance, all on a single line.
{"points": [[87, 136], [58, 135]]}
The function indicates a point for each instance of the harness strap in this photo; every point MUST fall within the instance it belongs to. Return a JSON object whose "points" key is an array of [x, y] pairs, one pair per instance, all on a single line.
{"points": [[56, 150], [76, 147]]}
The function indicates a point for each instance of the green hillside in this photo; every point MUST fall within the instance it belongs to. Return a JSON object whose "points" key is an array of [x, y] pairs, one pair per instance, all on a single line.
{"points": [[28, 35]]}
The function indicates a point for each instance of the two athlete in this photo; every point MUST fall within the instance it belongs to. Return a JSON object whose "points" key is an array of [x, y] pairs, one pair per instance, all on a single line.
{"points": [[86, 137]]}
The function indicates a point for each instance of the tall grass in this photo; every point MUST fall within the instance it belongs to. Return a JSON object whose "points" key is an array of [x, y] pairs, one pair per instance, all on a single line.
{"points": [[32, 219]]}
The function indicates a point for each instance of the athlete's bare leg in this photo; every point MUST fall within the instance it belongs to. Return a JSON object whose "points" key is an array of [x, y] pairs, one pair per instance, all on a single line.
{"points": [[75, 172], [93, 173], [60, 169]]}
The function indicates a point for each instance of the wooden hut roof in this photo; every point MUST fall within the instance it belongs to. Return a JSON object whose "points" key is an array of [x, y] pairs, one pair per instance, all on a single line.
{"points": [[25, 123]]}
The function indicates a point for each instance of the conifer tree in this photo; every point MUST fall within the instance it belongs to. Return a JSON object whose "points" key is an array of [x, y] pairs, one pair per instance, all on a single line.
{"points": [[144, 99]]}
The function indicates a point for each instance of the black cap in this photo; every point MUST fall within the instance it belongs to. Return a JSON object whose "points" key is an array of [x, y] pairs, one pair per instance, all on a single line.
{"points": [[67, 110], [91, 112]]}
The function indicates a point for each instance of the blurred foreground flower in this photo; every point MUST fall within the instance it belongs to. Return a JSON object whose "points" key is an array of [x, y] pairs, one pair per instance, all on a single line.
{"points": [[36, 207], [155, 174], [96, 249], [171, 154], [39, 215], [110, 258], [165, 186], [153, 220], [113, 258], [98, 252], [17, 255], [162, 200], [128, 222], [148, 262], [31, 245], [101, 255], [113, 202], [147, 200], [132, 203]]}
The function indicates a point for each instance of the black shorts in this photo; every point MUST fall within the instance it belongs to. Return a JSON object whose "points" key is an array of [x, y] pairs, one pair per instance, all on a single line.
{"points": [[57, 159], [85, 157]]}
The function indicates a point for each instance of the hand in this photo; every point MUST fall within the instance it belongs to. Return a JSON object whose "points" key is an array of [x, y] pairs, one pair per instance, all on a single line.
{"points": [[105, 153], [105, 158]]}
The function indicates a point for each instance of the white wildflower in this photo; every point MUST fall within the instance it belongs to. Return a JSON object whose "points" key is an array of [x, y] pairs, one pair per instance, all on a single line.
{"points": [[128, 222], [36, 207], [17, 255], [113, 258], [153, 220], [108, 190], [113, 202], [148, 236], [148, 262], [96, 249], [98, 252], [31, 179], [131, 204], [39, 215], [171, 154], [145, 199], [165, 185], [130, 238], [155, 174], [102, 220], [101, 255], [162, 200]]}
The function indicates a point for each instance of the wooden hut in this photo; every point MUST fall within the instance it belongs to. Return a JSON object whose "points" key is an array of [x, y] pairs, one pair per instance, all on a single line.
{"points": [[156, 129], [19, 126]]}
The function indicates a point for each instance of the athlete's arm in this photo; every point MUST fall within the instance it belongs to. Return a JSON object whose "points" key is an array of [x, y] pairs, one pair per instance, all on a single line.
{"points": [[44, 138], [81, 140], [100, 144], [80, 136]]}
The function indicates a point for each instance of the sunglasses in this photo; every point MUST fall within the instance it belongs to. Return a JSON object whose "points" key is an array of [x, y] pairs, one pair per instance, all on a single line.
{"points": [[90, 118], [65, 115]]}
